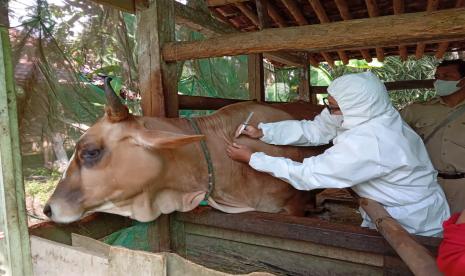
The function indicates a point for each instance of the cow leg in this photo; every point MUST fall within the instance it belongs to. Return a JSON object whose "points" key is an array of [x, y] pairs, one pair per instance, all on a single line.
{"points": [[302, 203]]}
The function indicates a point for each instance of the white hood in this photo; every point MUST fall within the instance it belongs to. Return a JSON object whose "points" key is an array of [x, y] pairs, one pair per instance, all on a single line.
{"points": [[361, 97]]}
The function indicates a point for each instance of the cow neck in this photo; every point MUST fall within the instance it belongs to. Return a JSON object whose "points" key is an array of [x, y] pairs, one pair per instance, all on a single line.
{"points": [[207, 156]]}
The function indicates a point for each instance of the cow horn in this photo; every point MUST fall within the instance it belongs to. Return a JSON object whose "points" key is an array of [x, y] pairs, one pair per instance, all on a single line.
{"points": [[118, 111]]}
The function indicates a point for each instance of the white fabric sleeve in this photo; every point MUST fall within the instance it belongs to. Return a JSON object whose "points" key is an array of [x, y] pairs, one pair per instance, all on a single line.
{"points": [[343, 165], [320, 131]]}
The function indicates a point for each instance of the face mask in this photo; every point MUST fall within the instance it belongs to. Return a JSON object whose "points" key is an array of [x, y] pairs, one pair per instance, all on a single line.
{"points": [[445, 88]]}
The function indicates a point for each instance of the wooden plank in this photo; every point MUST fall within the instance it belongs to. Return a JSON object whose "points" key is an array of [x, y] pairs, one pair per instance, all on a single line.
{"points": [[123, 261], [295, 11], [239, 257], [92, 245], [297, 228], [178, 237], [214, 3], [287, 245], [95, 226], [15, 254], [248, 13], [56, 259], [158, 234], [354, 34], [158, 80], [287, 227], [417, 257]]}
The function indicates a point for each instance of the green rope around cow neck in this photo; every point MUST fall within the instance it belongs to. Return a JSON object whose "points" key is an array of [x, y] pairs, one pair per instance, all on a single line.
{"points": [[206, 153]]}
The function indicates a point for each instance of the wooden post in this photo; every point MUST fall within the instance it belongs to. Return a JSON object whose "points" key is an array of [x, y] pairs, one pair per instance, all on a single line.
{"points": [[304, 86], [15, 254], [158, 81], [312, 95], [417, 257], [256, 77]]}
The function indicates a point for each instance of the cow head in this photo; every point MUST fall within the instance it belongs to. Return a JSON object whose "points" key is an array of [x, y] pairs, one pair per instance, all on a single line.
{"points": [[114, 167]]}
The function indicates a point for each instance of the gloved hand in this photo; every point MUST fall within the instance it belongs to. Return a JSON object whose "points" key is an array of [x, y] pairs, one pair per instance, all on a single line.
{"points": [[250, 131]]}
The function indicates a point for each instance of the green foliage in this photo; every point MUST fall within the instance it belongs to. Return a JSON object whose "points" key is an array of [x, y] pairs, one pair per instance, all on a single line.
{"points": [[392, 69], [40, 183]]}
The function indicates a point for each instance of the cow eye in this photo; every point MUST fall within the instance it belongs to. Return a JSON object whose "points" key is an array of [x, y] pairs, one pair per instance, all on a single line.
{"points": [[90, 155]]}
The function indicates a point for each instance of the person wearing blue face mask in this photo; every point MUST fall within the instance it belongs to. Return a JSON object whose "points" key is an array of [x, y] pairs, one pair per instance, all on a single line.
{"points": [[441, 124]]}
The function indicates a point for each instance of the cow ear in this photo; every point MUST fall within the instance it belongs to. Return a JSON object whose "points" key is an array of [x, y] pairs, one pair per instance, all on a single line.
{"points": [[157, 139]]}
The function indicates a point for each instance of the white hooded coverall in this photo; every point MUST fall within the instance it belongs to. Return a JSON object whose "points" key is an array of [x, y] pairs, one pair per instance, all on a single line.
{"points": [[374, 152]]}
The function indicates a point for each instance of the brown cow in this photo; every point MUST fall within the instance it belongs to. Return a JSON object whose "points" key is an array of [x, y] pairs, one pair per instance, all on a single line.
{"points": [[143, 167]]}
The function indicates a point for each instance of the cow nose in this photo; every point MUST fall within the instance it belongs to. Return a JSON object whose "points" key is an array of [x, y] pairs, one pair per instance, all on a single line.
{"points": [[48, 210]]}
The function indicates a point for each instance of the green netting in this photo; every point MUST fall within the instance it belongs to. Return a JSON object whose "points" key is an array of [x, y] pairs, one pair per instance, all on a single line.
{"points": [[60, 96], [134, 237]]}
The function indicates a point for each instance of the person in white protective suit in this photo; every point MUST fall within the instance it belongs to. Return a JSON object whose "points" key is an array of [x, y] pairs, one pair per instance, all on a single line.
{"points": [[374, 152]]}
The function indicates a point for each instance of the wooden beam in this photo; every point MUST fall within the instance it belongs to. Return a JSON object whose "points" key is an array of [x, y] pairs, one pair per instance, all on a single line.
{"points": [[296, 12], [200, 21], [443, 46], [297, 228], [248, 13], [214, 3], [399, 8], [319, 11], [204, 103], [207, 103], [323, 17], [416, 256], [381, 31], [274, 14], [158, 83], [313, 61], [263, 16], [373, 11], [403, 52], [328, 59], [343, 9], [284, 58], [256, 77], [431, 6], [214, 12], [345, 15], [211, 27]]}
